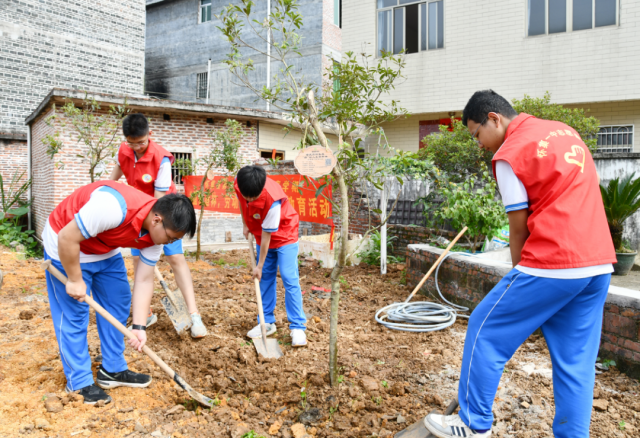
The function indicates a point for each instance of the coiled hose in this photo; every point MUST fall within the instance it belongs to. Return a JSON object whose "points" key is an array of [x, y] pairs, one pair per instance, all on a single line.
{"points": [[422, 316]]}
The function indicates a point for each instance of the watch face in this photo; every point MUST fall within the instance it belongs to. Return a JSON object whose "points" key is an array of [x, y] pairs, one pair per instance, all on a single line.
{"points": [[147, 178]]}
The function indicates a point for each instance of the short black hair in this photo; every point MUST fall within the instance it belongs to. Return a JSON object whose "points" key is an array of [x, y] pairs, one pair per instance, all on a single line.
{"points": [[177, 212], [251, 181], [484, 102], [135, 125]]}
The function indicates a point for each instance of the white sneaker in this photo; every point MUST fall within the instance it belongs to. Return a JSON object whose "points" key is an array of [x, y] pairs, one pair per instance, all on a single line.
{"points": [[298, 338], [198, 330], [256, 333], [448, 426]]}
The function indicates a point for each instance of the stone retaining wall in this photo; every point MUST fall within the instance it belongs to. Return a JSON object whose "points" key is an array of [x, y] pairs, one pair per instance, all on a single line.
{"points": [[466, 281]]}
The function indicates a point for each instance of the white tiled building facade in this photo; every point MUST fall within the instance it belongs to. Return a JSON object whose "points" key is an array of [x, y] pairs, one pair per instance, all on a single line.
{"points": [[586, 53]]}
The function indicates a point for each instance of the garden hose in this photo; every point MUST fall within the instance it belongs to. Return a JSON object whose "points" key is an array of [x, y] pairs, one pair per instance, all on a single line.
{"points": [[423, 316]]}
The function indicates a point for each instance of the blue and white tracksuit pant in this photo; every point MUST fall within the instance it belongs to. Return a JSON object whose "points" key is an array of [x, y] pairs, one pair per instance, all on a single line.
{"points": [[285, 258], [569, 312], [107, 281]]}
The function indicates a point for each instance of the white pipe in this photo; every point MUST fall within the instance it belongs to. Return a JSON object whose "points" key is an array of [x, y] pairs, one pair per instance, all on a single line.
{"points": [[268, 50], [29, 173], [208, 79]]}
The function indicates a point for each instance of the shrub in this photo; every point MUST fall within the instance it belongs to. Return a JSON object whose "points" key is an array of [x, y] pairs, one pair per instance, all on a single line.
{"points": [[542, 108]]}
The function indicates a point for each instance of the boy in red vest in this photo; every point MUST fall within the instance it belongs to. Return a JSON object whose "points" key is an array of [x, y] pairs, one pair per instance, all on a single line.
{"points": [[82, 238], [268, 215], [147, 167], [562, 255]]}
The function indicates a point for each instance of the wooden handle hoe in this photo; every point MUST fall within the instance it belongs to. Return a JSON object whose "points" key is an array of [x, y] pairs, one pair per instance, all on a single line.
{"points": [[203, 400], [268, 347], [435, 265]]}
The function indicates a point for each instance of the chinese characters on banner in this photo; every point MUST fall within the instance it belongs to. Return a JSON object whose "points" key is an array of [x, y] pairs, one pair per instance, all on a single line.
{"points": [[310, 208]]}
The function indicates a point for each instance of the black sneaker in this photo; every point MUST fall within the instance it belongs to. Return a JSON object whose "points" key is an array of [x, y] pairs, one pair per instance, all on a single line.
{"points": [[107, 380], [92, 394]]}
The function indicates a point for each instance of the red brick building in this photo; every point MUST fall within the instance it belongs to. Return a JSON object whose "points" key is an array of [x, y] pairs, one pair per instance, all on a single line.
{"points": [[183, 128]]}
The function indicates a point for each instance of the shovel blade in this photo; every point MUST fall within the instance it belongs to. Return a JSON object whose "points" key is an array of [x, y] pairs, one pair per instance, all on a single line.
{"points": [[180, 319], [271, 350], [417, 430]]}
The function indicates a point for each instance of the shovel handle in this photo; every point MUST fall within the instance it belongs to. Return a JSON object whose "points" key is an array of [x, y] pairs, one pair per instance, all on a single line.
{"points": [[435, 265], [46, 265], [263, 327]]}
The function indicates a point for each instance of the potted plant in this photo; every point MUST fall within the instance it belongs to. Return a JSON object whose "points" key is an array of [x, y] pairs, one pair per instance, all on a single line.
{"points": [[621, 199]]}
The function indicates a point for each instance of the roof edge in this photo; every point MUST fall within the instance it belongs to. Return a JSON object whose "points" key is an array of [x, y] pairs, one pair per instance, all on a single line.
{"points": [[138, 101]]}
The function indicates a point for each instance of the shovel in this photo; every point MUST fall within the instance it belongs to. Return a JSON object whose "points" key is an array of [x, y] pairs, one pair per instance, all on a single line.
{"points": [[265, 347], [203, 400], [174, 305], [418, 429]]}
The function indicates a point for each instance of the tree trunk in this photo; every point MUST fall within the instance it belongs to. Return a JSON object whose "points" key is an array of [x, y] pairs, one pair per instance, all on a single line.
{"points": [[344, 237], [335, 278], [202, 204], [616, 235]]}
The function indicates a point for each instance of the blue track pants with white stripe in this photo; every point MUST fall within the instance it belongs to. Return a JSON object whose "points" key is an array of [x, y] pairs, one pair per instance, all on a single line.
{"points": [[569, 312], [107, 281]]}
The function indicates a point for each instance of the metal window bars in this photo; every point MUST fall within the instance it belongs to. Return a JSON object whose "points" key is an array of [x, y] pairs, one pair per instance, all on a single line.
{"points": [[615, 139], [201, 85], [177, 166]]}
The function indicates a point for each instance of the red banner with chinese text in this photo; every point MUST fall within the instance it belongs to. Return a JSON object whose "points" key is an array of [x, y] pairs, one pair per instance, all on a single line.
{"points": [[300, 190]]}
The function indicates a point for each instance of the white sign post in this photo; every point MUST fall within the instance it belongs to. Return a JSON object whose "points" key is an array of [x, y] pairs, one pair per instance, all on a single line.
{"points": [[383, 230]]}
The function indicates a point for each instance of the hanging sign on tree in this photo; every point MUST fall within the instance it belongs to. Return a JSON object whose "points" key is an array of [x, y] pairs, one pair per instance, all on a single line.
{"points": [[315, 161]]}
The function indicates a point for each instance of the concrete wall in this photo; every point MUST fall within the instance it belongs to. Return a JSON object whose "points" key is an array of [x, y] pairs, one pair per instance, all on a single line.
{"points": [[67, 43], [485, 46], [178, 48], [611, 166]]}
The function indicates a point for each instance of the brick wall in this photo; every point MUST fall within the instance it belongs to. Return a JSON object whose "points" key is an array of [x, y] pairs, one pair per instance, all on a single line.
{"points": [[13, 159], [466, 282], [67, 43], [621, 335], [410, 234]]}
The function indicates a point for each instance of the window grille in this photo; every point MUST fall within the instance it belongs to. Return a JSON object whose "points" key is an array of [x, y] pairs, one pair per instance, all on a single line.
{"points": [[406, 213], [201, 85], [177, 166], [615, 139]]}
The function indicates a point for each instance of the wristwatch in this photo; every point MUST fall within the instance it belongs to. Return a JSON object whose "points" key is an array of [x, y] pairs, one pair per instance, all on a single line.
{"points": [[139, 327]]}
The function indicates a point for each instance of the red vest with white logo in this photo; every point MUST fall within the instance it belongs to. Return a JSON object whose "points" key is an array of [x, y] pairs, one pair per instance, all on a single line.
{"points": [[567, 223], [142, 174], [254, 213], [127, 235]]}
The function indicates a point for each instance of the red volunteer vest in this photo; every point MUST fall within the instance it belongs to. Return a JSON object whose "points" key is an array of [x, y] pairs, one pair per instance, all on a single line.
{"points": [[124, 236], [255, 212], [143, 174], [567, 223]]}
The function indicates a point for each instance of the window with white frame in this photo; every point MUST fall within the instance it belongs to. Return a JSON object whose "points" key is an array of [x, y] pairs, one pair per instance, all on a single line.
{"points": [[556, 16], [410, 25], [615, 139], [205, 11], [201, 85]]}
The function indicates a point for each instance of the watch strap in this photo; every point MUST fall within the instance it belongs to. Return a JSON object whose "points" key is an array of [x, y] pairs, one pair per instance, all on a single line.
{"points": [[139, 327]]}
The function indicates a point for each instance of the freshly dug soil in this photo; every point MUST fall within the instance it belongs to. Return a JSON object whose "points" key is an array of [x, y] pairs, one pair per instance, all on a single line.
{"points": [[388, 379]]}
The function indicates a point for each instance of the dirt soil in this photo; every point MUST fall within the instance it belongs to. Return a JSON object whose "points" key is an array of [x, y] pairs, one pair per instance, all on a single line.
{"points": [[388, 379]]}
